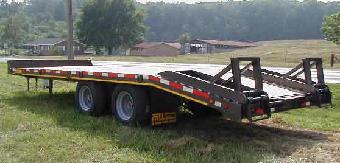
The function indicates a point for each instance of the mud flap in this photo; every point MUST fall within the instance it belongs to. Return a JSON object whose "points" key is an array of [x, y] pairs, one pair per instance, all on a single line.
{"points": [[164, 107], [233, 112]]}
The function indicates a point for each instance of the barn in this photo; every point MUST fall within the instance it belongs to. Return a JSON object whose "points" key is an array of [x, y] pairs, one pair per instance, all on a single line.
{"points": [[156, 49], [198, 46], [53, 46]]}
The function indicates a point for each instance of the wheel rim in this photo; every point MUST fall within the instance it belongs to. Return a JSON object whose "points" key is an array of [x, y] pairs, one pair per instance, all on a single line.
{"points": [[85, 98], [125, 106]]}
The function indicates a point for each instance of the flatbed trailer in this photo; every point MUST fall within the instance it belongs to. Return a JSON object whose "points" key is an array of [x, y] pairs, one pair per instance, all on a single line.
{"points": [[141, 95]]}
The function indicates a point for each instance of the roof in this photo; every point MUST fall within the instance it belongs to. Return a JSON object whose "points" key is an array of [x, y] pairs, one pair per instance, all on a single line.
{"points": [[146, 45], [46, 41], [175, 45], [229, 43]]}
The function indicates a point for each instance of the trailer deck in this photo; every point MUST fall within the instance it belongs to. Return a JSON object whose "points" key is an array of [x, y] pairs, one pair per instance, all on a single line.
{"points": [[236, 91], [272, 89]]}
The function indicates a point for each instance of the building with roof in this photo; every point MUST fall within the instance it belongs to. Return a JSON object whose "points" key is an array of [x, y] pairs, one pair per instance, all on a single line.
{"points": [[214, 46], [53, 46], [156, 49]]}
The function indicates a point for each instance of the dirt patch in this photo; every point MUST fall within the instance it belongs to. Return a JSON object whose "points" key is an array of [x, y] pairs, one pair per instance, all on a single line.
{"points": [[207, 149], [23, 127], [175, 143], [280, 141], [317, 146], [319, 152]]}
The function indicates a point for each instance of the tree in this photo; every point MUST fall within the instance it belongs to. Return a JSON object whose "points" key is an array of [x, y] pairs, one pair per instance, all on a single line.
{"points": [[110, 24], [14, 27], [184, 38], [331, 28], [15, 30]]}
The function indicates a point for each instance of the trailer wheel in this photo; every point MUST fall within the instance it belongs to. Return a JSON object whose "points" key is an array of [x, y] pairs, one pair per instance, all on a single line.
{"points": [[90, 98], [129, 105]]}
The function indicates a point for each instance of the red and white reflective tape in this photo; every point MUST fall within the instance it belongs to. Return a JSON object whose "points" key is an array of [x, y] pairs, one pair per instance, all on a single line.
{"points": [[166, 82], [176, 85], [90, 73], [152, 78], [155, 79], [218, 104], [130, 76], [105, 74], [187, 89], [305, 104], [145, 77], [113, 75], [120, 75], [200, 93]]}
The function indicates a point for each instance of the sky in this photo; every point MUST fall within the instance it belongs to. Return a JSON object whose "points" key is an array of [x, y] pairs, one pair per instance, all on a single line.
{"points": [[194, 1]]}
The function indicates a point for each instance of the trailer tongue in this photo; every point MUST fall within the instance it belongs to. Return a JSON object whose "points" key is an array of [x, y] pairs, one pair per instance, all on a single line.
{"points": [[140, 94]]}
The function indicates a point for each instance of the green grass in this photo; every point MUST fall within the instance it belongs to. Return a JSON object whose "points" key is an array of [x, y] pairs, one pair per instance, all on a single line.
{"points": [[283, 53], [38, 127], [327, 119]]}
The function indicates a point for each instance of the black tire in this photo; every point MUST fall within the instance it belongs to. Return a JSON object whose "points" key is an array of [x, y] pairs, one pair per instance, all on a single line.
{"points": [[201, 110], [99, 100], [139, 98]]}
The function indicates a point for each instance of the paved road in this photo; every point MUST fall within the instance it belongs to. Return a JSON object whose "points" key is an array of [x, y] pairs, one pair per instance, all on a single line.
{"points": [[331, 76]]}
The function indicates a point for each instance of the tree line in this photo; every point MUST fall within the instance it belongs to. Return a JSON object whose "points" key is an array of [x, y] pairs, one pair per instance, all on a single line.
{"points": [[239, 20], [231, 20]]}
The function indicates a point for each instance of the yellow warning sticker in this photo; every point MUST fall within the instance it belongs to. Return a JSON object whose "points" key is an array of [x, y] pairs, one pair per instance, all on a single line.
{"points": [[163, 118]]}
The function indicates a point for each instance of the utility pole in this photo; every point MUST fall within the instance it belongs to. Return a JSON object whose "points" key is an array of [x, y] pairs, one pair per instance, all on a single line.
{"points": [[69, 14]]}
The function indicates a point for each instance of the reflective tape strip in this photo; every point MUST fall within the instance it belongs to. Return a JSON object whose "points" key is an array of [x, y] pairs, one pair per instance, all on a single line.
{"points": [[272, 110], [153, 78], [121, 75], [218, 104], [145, 77], [64, 72], [130, 76], [113, 75], [166, 82], [187, 89], [201, 94], [176, 85], [104, 74], [97, 74]]}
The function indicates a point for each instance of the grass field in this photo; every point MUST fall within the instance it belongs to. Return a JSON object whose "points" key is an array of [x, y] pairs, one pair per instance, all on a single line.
{"points": [[273, 53], [38, 127]]}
